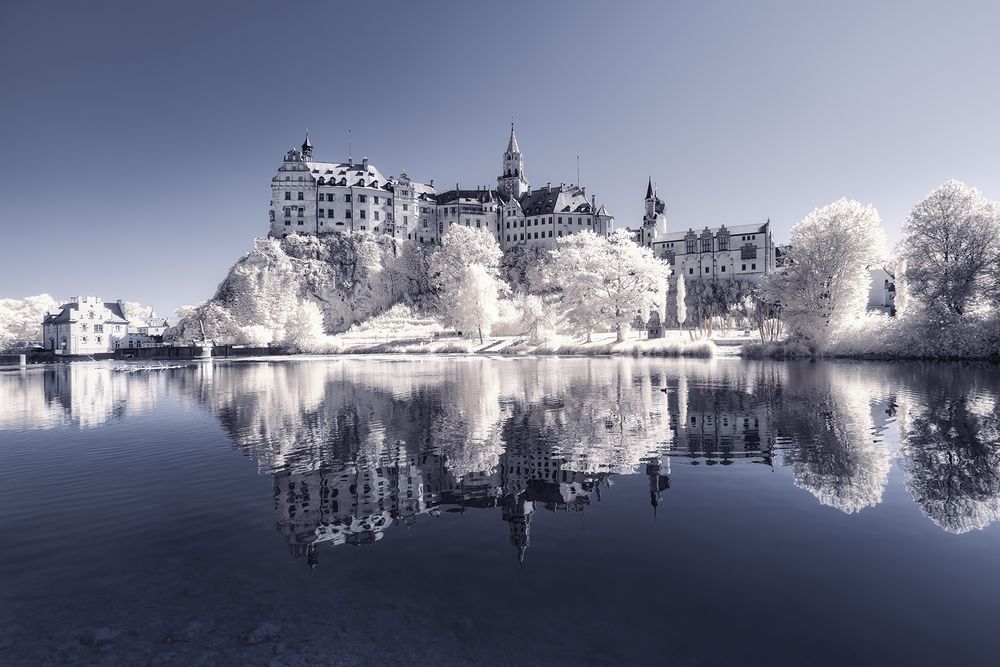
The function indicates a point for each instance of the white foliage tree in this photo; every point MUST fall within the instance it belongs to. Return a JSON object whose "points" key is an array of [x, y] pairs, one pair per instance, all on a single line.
{"points": [[606, 282], [303, 330], [577, 270], [682, 311], [465, 272], [951, 244], [902, 288], [827, 282], [538, 318], [21, 319], [633, 281]]}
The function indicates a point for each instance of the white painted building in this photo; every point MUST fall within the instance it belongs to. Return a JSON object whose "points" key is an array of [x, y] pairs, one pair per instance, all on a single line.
{"points": [[309, 197], [743, 252], [88, 325], [85, 325]]}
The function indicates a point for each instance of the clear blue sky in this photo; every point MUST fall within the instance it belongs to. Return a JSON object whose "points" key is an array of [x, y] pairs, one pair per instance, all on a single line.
{"points": [[138, 139]]}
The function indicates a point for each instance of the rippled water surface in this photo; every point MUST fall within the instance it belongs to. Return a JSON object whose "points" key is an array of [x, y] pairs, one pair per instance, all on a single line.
{"points": [[515, 512]]}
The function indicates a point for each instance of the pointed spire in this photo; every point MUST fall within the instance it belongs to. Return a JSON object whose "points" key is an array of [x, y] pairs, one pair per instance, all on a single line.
{"points": [[512, 144], [307, 147], [649, 189]]}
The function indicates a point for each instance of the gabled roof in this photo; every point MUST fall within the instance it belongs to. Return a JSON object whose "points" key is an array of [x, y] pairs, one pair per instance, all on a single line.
{"points": [[562, 199], [65, 313]]}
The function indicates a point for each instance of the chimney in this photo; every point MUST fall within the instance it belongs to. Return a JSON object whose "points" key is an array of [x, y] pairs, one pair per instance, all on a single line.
{"points": [[548, 186], [432, 182], [364, 163]]}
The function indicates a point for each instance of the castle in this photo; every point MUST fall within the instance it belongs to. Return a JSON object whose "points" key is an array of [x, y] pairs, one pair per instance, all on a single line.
{"points": [[740, 252], [315, 198], [310, 197]]}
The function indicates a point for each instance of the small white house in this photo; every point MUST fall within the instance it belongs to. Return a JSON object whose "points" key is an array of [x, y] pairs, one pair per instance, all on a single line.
{"points": [[85, 325], [147, 332], [882, 295]]}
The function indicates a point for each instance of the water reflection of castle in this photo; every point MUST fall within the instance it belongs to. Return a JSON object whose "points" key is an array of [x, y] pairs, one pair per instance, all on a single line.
{"points": [[357, 503], [355, 447]]}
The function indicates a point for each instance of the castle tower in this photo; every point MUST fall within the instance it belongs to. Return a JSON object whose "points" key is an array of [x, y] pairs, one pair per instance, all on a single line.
{"points": [[512, 182], [307, 148], [654, 218]]}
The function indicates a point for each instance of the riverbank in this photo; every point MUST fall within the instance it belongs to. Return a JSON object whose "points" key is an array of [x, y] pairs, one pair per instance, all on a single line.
{"points": [[600, 345]]}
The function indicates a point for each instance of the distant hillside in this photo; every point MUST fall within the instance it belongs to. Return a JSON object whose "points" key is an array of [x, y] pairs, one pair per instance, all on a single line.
{"points": [[350, 276]]}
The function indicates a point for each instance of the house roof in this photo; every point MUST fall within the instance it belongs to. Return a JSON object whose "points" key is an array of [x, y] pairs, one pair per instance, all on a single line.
{"points": [[735, 230], [562, 199], [65, 313], [482, 196]]}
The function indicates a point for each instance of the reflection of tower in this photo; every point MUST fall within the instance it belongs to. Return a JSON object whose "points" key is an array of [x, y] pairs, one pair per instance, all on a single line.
{"points": [[517, 513], [659, 479]]}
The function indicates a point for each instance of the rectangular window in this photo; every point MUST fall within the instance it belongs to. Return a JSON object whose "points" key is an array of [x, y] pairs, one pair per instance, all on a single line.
{"points": [[689, 245], [706, 269], [347, 214], [748, 251], [550, 233], [560, 219], [347, 198], [706, 244], [322, 212], [288, 196], [375, 214], [364, 214], [288, 212], [744, 268], [406, 219], [329, 197], [690, 271], [302, 212], [723, 269], [723, 242], [560, 232], [753, 267], [362, 199], [375, 198], [302, 196]]}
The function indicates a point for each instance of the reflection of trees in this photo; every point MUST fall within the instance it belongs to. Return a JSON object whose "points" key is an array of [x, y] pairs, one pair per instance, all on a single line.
{"points": [[951, 449], [825, 413]]}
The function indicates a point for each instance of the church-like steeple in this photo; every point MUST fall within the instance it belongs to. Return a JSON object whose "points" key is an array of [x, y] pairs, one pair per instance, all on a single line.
{"points": [[307, 148], [512, 144], [649, 189], [512, 181]]}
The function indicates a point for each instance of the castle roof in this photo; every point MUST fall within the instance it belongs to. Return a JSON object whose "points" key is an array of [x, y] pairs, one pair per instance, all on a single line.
{"points": [[562, 199], [66, 314], [735, 230], [481, 196]]}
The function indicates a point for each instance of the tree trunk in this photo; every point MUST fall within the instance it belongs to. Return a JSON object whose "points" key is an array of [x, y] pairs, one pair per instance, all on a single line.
{"points": [[620, 334], [480, 335], [589, 339]]}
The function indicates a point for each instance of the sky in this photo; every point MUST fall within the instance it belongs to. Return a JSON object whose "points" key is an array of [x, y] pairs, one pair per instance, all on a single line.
{"points": [[138, 140]]}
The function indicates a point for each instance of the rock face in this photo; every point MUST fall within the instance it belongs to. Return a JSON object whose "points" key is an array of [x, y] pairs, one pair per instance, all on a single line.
{"points": [[350, 276]]}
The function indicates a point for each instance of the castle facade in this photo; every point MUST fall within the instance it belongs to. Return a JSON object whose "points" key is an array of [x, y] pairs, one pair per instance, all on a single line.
{"points": [[739, 252], [315, 198]]}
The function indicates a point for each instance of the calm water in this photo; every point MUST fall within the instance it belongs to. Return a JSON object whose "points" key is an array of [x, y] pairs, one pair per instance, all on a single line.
{"points": [[514, 512]]}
